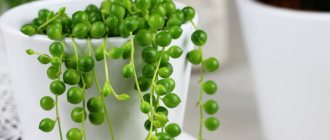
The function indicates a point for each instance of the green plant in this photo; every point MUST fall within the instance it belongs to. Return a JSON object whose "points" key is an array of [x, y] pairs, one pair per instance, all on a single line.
{"points": [[151, 25], [5, 4]]}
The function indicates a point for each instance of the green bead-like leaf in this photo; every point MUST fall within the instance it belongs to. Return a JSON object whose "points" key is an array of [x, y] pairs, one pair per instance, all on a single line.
{"points": [[106, 91], [123, 97]]}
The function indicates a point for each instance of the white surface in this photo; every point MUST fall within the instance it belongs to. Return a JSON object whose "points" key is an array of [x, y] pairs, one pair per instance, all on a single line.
{"points": [[289, 53], [31, 83]]}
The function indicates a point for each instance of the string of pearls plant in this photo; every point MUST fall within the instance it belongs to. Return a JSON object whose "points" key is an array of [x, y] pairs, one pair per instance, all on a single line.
{"points": [[151, 25]]}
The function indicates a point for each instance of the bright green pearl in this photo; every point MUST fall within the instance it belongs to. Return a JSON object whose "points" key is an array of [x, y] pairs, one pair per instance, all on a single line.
{"points": [[211, 64], [170, 7], [78, 114], [127, 71], [212, 123], [44, 59], [53, 72], [143, 4], [199, 37], [131, 23], [169, 84], [80, 30], [144, 83], [149, 55], [211, 107], [75, 95], [98, 29], [54, 32], [143, 37], [29, 29], [175, 32], [161, 109], [95, 105], [111, 21], [210, 87], [43, 13], [156, 22], [96, 118], [71, 76], [148, 70], [163, 39], [145, 107], [189, 13], [194, 57], [173, 129], [47, 125], [171, 100], [115, 52], [174, 51], [47, 103], [80, 17], [57, 87], [74, 134], [86, 63], [118, 11], [56, 49]]}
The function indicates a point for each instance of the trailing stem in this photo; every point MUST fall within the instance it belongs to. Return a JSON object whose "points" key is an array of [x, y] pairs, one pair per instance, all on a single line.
{"points": [[104, 107], [152, 113], [75, 46], [58, 118], [84, 109], [201, 80], [133, 64]]}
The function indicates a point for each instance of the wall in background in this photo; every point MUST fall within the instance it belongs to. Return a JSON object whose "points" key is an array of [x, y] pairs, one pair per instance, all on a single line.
{"points": [[213, 19]]}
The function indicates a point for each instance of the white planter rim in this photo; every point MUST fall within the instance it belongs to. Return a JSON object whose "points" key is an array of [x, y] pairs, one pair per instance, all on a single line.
{"points": [[284, 12], [4, 25]]}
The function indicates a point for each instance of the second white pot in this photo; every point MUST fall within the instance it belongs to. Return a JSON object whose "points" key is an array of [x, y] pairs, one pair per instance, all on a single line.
{"points": [[289, 52], [31, 83]]}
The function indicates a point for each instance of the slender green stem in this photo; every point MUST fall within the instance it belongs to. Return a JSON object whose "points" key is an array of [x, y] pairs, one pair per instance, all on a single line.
{"points": [[201, 80], [48, 21], [100, 90], [84, 108], [194, 25], [106, 68], [90, 48], [58, 118], [104, 106], [75, 46], [133, 64], [83, 119], [105, 62], [153, 91], [37, 53]]}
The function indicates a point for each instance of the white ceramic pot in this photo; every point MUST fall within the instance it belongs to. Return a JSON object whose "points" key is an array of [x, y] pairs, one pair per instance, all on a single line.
{"points": [[31, 83], [289, 52]]}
